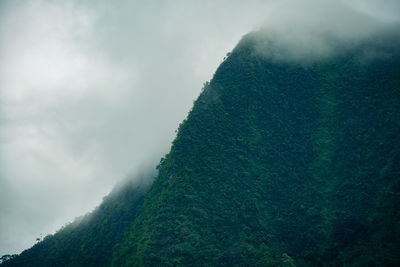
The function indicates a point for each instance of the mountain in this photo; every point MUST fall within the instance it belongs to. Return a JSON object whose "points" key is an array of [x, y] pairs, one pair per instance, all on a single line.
{"points": [[90, 239], [281, 162]]}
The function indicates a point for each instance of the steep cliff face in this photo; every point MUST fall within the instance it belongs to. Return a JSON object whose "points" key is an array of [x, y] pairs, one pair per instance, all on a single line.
{"points": [[279, 163]]}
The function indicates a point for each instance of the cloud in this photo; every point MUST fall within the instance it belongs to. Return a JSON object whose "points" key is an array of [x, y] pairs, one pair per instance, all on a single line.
{"points": [[53, 90], [91, 90], [314, 30]]}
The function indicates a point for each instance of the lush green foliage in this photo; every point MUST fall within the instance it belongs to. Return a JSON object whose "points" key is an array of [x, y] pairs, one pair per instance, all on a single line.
{"points": [[89, 241], [277, 158], [276, 165]]}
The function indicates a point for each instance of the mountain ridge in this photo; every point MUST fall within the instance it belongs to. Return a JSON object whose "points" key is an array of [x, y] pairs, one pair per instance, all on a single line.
{"points": [[277, 163]]}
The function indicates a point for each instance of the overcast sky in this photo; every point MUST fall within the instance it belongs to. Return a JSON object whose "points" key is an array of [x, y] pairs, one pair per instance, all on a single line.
{"points": [[90, 91]]}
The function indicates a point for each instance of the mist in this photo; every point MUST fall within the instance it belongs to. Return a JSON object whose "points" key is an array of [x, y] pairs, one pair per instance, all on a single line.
{"points": [[91, 93], [323, 30]]}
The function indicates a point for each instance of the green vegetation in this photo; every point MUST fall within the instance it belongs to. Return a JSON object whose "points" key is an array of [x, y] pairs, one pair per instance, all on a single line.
{"points": [[89, 240], [276, 165]]}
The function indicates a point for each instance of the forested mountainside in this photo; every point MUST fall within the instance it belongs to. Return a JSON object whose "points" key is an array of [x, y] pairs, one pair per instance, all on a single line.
{"points": [[278, 163], [90, 240]]}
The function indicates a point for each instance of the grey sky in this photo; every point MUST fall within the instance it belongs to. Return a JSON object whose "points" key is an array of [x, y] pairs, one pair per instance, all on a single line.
{"points": [[89, 92]]}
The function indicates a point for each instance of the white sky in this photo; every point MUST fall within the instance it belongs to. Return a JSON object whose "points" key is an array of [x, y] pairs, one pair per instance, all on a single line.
{"points": [[90, 92]]}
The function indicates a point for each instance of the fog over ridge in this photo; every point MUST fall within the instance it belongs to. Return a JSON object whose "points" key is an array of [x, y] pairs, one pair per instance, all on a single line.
{"points": [[317, 33]]}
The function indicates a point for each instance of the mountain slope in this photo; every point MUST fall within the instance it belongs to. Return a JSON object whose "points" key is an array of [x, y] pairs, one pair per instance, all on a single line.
{"points": [[280, 159], [279, 163], [89, 240]]}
